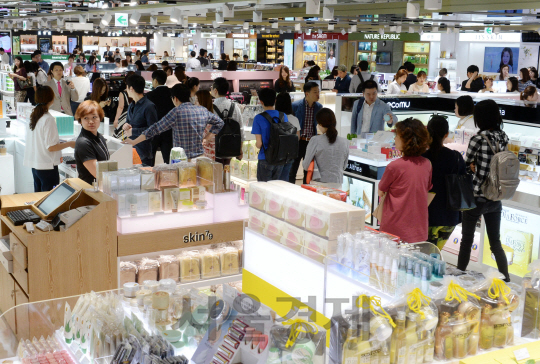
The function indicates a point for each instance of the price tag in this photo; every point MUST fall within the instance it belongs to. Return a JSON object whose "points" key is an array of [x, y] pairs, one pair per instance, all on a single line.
{"points": [[522, 354]]}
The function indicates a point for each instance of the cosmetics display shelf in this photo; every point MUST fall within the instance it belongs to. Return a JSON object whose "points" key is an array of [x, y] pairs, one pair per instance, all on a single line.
{"points": [[212, 281]]}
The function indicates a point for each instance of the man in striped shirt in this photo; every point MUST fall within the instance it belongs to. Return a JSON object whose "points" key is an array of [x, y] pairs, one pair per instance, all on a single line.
{"points": [[187, 122]]}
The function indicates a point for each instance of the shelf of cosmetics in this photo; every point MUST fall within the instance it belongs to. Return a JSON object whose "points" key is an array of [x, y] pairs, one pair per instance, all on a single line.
{"points": [[44, 351], [377, 146], [452, 323], [6, 83], [301, 219], [114, 327], [64, 123], [189, 265], [165, 187]]}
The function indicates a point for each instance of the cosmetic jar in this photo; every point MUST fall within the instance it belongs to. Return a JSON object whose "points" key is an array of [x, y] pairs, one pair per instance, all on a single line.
{"points": [[130, 289]]}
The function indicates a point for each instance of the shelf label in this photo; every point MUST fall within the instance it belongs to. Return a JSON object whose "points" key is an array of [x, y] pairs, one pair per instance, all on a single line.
{"points": [[196, 237], [522, 354]]}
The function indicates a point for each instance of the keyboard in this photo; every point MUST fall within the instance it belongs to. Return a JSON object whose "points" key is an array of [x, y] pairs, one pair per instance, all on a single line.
{"points": [[68, 159], [19, 217]]}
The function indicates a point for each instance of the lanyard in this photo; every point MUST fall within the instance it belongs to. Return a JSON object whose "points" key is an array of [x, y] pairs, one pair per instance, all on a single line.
{"points": [[465, 119]]}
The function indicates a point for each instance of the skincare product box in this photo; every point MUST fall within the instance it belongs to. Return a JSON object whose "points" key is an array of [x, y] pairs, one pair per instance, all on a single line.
{"points": [[258, 220], [274, 229], [187, 174], [317, 247], [292, 237], [142, 202], [252, 173], [169, 194]]}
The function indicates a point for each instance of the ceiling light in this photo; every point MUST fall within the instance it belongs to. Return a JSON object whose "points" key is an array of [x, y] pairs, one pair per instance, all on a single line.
{"points": [[135, 18], [153, 20], [353, 28], [104, 6], [328, 13], [330, 2], [413, 10], [185, 21], [497, 30], [343, 31], [175, 15], [411, 29], [246, 25], [308, 31], [298, 27], [275, 25], [263, 28], [313, 7], [257, 16], [381, 31], [330, 26], [433, 4], [435, 29], [319, 31], [398, 29], [106, 19], [215, 24], [219, 18], [228, 10]]}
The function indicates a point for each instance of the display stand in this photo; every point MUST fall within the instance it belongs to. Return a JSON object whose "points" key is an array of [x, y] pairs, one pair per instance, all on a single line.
{"points": [[7, 180]]}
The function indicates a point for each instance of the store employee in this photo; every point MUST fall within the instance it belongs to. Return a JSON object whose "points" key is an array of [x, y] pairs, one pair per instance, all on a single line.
{"points": [[369, 115], [91, 146]]}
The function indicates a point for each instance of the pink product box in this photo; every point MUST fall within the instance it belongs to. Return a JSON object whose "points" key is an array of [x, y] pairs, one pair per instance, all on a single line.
{"points": [[356, 217], [274, 229], [326, 221], [275, 203], [293, 237], [295, 212], [317, 248], [257, 195], [257, 220]]}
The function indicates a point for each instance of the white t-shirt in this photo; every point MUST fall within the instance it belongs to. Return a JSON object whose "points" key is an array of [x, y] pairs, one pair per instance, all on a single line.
{"points": [[331, 62], [395, 89], [467, 123], [294, 120], [193, 63], [367, 110], [45, 135], [424, 89], [82, 85], [171, 81]]}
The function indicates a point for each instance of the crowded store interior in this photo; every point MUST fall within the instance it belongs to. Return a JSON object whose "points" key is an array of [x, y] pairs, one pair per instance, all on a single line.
{"points": [[270, 182]]}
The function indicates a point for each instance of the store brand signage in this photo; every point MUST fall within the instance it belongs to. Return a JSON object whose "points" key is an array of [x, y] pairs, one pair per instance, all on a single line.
{"points": [[215, 75], [408, 37], [399, 104], [268, 36], [79, 26], [121, 19], [196, 237], [240, 35], [490, 37], [322, 36]]}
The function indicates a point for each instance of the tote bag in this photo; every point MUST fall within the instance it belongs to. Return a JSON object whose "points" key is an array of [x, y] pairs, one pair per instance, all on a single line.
{"points": [[459, 191]]}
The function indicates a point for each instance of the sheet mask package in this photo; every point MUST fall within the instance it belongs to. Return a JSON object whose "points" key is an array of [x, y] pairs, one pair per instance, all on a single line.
{"points": [[235, 167], [295, 211], [165, 176], [128, 272], [148, 270], [187, 174], [326, 221], [190, 266], [154, 201], [142, 202], [275, 201], [217, 169], [204, 169], [177, 155], [253, 150], [210, 264], [198, 193], [229, 258], [245, 150], [458, 332], [169, 267], [257, 195], [531, 298]]}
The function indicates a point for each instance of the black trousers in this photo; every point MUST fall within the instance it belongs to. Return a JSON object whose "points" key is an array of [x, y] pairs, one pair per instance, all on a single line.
{"points": [[302, 146], [164, 142], [491, 211]]}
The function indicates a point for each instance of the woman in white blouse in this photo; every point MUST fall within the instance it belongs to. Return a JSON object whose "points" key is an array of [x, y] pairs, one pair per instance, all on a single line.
{"points": [[43, 147], [420, 86], [81, 82], [464, 111], [398, 87]]}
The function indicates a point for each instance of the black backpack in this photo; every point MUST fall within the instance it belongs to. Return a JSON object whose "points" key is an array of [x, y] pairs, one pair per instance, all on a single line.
{"points": [[283, 143], [229, 138], [359, 89]]}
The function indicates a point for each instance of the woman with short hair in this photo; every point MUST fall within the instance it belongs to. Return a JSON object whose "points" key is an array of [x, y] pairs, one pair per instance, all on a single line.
{"points": [[397, 87]]}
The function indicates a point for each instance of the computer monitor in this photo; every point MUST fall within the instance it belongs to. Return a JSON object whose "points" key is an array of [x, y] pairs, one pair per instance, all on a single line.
{"points": [[57, 197]]}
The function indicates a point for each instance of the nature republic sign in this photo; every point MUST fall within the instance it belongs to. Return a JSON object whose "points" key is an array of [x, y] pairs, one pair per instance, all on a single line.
{"points": [[121, 19]]}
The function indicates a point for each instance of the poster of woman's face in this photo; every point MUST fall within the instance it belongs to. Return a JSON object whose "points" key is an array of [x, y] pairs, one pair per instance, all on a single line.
{"points": [[331, 50]]}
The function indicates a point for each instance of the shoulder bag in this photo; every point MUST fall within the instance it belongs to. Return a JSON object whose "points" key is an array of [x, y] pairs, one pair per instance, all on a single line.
{"points": [[459, 190]]}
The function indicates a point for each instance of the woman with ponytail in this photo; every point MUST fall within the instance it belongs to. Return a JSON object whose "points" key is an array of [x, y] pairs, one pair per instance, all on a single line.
{"points": [[43, 147], [444, 161], [330, 151]]}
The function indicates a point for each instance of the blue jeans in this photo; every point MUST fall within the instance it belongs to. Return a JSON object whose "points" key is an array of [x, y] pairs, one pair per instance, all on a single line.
{"points": [[45, 179], [267, 172], [285, 172]]}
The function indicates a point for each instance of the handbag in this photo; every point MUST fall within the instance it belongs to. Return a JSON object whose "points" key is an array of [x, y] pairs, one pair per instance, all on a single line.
{"points": [[459, 191], [310, 170], [24, 83], [379, 210]]}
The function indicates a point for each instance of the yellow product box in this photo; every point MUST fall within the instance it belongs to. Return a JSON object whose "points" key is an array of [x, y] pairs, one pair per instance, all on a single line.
{"points": [[517, 246]]}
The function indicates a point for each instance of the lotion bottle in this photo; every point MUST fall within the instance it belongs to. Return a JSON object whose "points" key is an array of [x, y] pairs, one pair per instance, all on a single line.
{"points": [[487, 330]]}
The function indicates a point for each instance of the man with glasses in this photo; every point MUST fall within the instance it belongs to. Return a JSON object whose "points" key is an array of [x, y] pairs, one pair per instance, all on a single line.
{"points": [[187, 122]]}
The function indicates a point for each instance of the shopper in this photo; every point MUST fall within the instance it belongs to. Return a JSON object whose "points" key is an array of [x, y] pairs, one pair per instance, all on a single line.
{"points": [[444, 161], [411, 78], [193, 62], [343, 82], [204, 99], [70, 66], [529, 94], [31, 76], [370, 115], [141, 115], [222, 64], [246, 58], [333, 75], [232, 66], [41, 75], [4, 57], [202, 58], [504, 73], [187, 122], [533, 74], [82, 85], [512, 84], [284, 83], [108, 53], [219, 91], [100, 94], [261, 129], [488, 119], [443, 85], [464, 110], [43, 146], [144, 58], [354, 70], [488, 85], [329, 151], [420, 86], [313, 74], [19, 73], [123, 104], [305, 111], [91, 66], [137, 56], [139, 65], [44, 65], [406, 183], [474, 82], [152, 68], [193, 85], [358, 80], [180, 73], [284, 104], [82, 59], [397, 87], [91, 146], [443, 72], [524, 79], [64, 91], [331, 60]]}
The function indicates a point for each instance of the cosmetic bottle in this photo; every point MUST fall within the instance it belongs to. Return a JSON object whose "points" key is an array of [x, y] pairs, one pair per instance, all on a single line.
{"points": [[394, 273], [410, 269], [411, 338], [402, 273], [444, 345], [461, 336], [387, 273], [375, 354], [429, 348], [273, 356], [398, 344], [500, 325], [384, 355], [487, 330], [380, 270], [364, 351], [417, 273], [373, 266], [350, 347]]}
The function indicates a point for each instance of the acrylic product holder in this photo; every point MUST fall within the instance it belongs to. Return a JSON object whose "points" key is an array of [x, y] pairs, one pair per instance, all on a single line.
{"points": [[531, 299]]}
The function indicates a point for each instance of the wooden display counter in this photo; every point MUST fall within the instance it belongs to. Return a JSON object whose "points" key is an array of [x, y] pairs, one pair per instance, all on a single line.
{"points": [[56, 264]]}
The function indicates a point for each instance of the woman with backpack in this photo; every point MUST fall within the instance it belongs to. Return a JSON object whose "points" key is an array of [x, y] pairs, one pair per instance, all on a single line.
{"points": [[442, 221], [487, 119]]}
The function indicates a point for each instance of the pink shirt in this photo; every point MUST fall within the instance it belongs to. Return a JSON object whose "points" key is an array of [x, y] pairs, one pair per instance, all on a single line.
{"points": [[405, 212]]}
